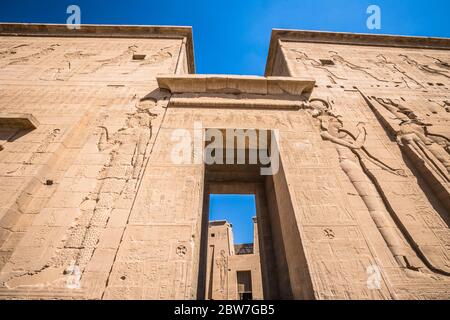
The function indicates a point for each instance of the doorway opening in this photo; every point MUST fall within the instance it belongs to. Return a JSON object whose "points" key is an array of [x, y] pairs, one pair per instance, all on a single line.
{"points": [[274, 265], [244, 282], [232, 248], [240, 211]]}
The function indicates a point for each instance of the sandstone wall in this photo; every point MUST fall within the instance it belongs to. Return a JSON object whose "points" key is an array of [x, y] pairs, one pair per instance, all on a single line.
{"points": [[358, 210], [68, 186], [378, 147]]}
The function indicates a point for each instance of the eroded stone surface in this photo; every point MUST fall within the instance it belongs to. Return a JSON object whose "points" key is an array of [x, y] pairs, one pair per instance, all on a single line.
{"points": [[93, 207]]}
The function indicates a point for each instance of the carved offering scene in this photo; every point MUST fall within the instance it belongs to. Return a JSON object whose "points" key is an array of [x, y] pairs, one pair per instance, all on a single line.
{"points": [[341, 64], [113, 151]]}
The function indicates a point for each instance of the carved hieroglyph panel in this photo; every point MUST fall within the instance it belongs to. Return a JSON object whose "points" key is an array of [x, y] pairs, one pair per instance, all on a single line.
{"points": [[64, 59], [342, 64], [231, 118], [411, 223], [162, 197], [154, 262], [367, 165]]}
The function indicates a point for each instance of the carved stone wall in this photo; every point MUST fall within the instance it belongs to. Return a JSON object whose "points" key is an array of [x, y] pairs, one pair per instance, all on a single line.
{"points": [[224, 262], [383, 117], [69, 185], [93, 206]]}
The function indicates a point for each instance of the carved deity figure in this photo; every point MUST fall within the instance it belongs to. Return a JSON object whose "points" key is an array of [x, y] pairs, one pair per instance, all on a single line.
{"points": [[440, 63], [222, 264], [414, 137], [354, 67], [412, 133], [82, 238], [353, 160], [303, 57], [424, 67], [395, 69], [138, 131], [32, 58]]}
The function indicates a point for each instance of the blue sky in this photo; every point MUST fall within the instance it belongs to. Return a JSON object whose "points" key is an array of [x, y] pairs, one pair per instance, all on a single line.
{"points": [[236, 209], [232, 36]]}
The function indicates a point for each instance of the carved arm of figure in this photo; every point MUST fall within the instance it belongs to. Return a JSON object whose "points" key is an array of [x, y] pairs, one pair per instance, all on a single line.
{"points": [[388, 106], [426, 150], [327, 136], [357, 145], [361, 138], [399, 111], [334, 134]]}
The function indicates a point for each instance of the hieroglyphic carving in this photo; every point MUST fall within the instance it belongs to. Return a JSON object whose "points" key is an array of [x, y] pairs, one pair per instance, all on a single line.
{"points": [[424, 67], [353, 158], [181, 251], [303, 57], [64, 70], [114, 61], [412, 133], [329, 233], [158, 57], [83, 237], [393, 67], [348, 64], [440, 63], [31, 57], [11, 51]]}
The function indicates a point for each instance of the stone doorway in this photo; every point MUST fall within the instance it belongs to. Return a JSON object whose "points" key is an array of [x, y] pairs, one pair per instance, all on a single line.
{"points": [[282, 273]]}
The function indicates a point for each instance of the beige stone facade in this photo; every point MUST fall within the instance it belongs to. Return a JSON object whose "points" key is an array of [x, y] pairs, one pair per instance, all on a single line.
{"points": [[93, 206], [233, 271]]}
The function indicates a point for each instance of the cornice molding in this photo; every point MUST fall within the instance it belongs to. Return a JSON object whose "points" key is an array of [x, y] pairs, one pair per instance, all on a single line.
{"points": [[236, 91]]}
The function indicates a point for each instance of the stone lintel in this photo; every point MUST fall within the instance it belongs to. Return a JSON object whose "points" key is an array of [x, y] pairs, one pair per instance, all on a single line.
{"points": [[235, 91], [18, 120], [104, 31], [234, 102], [361, 39]]}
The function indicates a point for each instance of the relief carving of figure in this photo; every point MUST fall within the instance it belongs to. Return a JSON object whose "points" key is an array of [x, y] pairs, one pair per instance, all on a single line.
{"points": [[440, 63], [412, 133], [222, 264], [303, 57], [344, 62], [424, 67], [114, 61], [353, 160], [395, 69], [33, 58], [66, 68], [428, 149], [138, 131], [11, 51], [83, 237]]}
